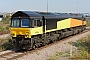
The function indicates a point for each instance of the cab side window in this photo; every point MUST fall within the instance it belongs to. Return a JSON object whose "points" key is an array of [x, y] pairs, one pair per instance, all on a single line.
{"points": [[39, 23], [36, 23]]}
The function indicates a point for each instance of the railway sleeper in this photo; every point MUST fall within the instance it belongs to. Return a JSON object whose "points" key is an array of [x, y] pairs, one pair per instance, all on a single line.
{"points": [[38, 45]]}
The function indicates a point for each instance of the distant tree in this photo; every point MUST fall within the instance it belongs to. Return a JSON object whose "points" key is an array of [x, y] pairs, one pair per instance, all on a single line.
{"points": [[6, 20], [8, 16]]}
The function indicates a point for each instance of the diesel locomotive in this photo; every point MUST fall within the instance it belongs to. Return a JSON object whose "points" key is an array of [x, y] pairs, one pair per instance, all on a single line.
{"points": [[31, 29]]}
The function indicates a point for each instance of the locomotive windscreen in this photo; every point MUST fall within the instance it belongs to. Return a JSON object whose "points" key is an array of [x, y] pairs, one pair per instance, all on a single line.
{"points": [[17, 22]]}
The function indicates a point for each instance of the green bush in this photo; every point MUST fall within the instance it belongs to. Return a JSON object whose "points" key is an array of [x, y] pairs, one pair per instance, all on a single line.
{"points": [[83, 45], [5, 46], [6, 21], [88, 23], [1, 28], [1, 23], [8, 26]]}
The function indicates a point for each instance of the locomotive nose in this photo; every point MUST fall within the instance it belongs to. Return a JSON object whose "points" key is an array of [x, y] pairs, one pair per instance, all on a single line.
{"points": [[20, 31]]}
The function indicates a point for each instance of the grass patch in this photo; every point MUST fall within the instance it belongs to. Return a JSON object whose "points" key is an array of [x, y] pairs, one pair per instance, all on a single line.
{"points": [[88, 23], [83, 45], [5, 45], [7, 27], [59, 54], [55, 57], [4, 25], [82, 52], [1, 28], [70, 43]]}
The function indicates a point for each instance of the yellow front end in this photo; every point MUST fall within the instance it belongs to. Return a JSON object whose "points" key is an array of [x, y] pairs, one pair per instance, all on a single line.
{"points": [[20, 31]]}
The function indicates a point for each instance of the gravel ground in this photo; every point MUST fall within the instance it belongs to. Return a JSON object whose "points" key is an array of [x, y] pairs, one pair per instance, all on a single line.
{"points": [[51, 50], [4, 36]]}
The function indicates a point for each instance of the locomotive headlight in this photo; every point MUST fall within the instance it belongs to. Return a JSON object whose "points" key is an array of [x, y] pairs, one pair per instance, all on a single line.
{"points": [[12, 35], [27, 34]]}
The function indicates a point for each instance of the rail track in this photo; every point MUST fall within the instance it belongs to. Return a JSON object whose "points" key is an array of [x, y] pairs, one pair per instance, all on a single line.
{"points": [[13, 54], [4, 32]]}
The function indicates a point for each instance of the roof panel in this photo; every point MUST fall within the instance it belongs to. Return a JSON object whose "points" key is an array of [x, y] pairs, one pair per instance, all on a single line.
{"points": [[31, 13], [51, 15]]}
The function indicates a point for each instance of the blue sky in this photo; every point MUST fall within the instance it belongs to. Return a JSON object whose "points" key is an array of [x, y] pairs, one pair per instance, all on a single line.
{"points": [[41, 5]]}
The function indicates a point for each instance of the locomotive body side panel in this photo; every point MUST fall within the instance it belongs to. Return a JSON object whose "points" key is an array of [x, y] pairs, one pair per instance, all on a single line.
{"points": [[84, 23], [36, 31], [75, 22], [63, 24]]}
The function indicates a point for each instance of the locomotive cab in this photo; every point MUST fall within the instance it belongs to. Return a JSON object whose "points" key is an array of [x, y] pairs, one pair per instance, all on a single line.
{"points": [[19, 26], [23, 27]]}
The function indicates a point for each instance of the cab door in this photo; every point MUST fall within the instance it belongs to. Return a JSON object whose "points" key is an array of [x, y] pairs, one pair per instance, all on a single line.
{"points": [[36, 27]]}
